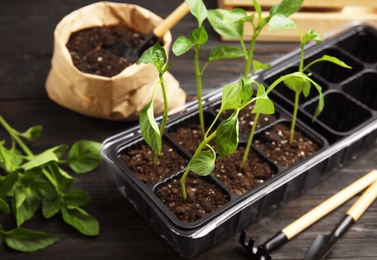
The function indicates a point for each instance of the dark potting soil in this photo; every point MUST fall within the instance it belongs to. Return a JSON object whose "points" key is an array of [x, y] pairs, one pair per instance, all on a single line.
{"points": [[94, 50], [255, 171], [203, 197], [274, 143], [189, 137], [141, 162], [246, 119]]}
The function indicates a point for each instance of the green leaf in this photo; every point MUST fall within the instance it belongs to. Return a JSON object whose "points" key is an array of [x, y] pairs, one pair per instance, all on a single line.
{"points": [[280, 21], [84, 156], [4, 206], [182, 45], [62, 178], [198, 10], [32, 133], [26, 240], [155, 55], [10, 159], [297, 82], [43, 158], [246, 89], [230, 98], [227, 136], [7, 183], [59, 150], [236, 15], [42, 189], [51, 207], [263, 105], [321, 101], [202, 163], [225, 24], [199, 36], [26, 203], [76, 198], [149, 128], [257, 7], [310, 36], [320, 105], [286, 7], [259, 65], [334, 60], [81, 220], [225, 52]]}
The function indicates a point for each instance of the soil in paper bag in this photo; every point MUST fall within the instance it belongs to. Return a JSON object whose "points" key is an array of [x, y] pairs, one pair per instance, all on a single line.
{"points": [[93, 50]]}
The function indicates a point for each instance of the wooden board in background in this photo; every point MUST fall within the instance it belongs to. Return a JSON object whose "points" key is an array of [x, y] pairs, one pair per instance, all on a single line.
{"points": [[307, 3], [323, 19]]}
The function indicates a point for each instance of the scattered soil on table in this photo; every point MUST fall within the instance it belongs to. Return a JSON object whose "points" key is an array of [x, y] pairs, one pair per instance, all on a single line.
{"points": [[255, 171], [203, 197], [94, 50], [140, 161], [274, 142]]}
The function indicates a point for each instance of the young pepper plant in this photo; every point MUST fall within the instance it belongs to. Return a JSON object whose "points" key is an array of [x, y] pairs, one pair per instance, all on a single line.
{"points": [[231, 24], [238, 95], [235, 97], [37, 181], [149, 129], [199, 38], [299, 81]]}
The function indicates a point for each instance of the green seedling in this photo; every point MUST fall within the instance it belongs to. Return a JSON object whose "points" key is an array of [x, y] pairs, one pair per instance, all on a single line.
{"points": [[231, 24], [32, 181], [149, 129], [300, 82], [237, 96], [199, 38]]}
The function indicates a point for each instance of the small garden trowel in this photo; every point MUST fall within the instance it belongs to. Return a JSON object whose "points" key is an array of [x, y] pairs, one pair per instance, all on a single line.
{"points": [[133, 54], [323, 244]]}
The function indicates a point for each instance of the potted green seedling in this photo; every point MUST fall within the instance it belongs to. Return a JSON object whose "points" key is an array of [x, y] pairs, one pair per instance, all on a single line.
{"points": [[198, 38], [237, 96], [149, 129], [300, 82]]}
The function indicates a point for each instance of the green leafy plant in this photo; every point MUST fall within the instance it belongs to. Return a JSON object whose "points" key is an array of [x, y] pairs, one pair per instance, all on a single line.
{"points": [[299, 81], [231, 24], [236, 96], [149, 129], [199, 38], [32, 181]]}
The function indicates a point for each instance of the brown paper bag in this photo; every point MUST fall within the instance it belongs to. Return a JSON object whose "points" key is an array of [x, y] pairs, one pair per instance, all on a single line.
{"points": [[120, 97]]}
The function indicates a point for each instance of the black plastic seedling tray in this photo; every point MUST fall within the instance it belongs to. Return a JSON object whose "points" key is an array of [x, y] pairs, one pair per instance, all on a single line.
{"points": [[345, 129]]}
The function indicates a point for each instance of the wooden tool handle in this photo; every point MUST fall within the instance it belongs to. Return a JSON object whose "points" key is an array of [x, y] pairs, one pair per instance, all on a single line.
{"points": [[171, 20], [329, 205], [361, 205]]}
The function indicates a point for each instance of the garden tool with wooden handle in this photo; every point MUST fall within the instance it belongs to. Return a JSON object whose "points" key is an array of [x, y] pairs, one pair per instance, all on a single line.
{"points": [[323, 244], [133, 54], [290, 231]]}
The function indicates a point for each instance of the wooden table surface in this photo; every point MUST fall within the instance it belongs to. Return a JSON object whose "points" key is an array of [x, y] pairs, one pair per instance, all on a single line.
{"points": [[26, 29]]}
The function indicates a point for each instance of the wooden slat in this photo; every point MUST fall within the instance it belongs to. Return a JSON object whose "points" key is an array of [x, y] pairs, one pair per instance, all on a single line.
{"points": [[319, 20], [306, 3]]}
